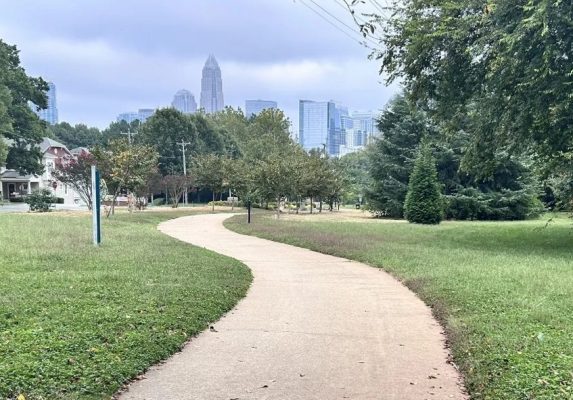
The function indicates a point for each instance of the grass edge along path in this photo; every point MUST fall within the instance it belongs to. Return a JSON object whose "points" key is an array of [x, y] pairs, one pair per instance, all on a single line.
{"points": [[502, 290], [77, 322]]}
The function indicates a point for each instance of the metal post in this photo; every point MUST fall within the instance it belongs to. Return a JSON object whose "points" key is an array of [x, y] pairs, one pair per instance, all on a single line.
{"points": [[183, 144], [96, 206]]}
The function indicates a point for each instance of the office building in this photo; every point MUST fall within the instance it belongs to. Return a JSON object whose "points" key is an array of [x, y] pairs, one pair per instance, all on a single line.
{"points": [[50, 114], [142, 115], [184, 101], [320, 126], [254, 107], [211, 87]]}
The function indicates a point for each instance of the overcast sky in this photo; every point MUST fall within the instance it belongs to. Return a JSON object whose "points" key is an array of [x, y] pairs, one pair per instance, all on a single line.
{"points": [[108, 57]]}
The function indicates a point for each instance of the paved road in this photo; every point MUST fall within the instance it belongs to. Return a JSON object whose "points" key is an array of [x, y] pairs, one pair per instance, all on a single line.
{"points": [[311, 327]]}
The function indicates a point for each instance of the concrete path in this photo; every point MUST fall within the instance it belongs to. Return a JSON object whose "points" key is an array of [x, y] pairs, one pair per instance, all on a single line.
{"points": [[311, 327]]}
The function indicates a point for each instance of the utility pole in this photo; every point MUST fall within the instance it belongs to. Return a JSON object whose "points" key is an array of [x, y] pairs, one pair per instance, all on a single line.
{"points": [[183, 144], [129, 133]]}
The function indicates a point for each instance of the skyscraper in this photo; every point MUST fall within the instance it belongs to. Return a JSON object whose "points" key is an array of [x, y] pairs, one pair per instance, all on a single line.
{"points": [[50, 114], [211, 87], [142, 115], [253, 107], [184, 101], [320, 125]]}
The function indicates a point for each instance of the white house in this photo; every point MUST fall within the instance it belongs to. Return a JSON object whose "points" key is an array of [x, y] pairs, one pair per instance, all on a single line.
{"points": [[14, 185]]}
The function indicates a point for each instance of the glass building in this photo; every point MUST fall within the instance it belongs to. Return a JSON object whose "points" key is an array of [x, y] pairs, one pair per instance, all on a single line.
{"points": [[50, 114], [142, 115], [184, 101], [254, 107], [321, 126], [212, 87]]}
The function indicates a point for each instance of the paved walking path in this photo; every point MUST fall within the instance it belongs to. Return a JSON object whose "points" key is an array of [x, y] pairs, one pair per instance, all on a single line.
{"points": [[311, 327]]}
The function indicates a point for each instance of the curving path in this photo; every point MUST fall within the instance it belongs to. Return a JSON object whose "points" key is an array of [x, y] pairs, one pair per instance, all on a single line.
{"points": [[311, 327]]}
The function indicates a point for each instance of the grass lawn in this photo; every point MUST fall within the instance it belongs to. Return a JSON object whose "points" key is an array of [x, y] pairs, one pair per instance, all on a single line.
{"points": [[503, 290], [77, 322]]}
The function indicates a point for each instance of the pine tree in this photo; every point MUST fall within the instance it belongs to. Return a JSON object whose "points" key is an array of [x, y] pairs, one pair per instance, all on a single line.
{"points": [[423, 203]]}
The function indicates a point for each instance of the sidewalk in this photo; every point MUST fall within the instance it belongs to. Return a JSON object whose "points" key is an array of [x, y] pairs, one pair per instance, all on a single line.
{"points": [[311, 327]]}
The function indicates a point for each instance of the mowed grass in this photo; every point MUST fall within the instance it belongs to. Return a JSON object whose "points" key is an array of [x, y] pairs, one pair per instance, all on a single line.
{"points": [[77, 322], [503, 290]]}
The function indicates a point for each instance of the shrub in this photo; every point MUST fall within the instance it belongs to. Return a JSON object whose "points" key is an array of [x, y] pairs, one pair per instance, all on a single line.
{"points": [[470, 203], [158, 202], [17, 199], [41, 200], [424, 199], [59, 200]]}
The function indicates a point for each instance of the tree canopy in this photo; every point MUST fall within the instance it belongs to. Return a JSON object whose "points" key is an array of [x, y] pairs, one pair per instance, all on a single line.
{"points": [[18, 122]]}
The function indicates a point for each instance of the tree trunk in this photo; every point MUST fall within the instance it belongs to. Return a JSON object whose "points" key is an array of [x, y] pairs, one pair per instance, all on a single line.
{"points": [[213, 203], [320, 207], [311, 204], [278, 206], [249, 212]]}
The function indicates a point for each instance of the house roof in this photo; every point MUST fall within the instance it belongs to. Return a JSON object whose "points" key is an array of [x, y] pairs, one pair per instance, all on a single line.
{"points": [[79, 150], [13, 174], [47, 143]]}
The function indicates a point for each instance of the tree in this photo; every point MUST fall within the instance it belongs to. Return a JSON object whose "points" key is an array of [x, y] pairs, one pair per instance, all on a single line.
{"points": [[211, 173], [355, 167], [315, 176], [499, 70], [176, 186], [125, 167], [17, 121], [77, 174], [79, 135], [423, 203], [391, 157]]}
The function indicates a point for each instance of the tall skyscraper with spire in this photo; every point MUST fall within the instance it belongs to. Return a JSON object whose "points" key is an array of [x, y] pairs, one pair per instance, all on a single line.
{"points": [[211, 87]]}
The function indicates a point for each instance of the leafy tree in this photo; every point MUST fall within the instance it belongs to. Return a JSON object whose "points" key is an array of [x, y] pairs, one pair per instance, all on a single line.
{"points": [[17, 121], [79, 135], [423, 203], [125, 167], [77, 174], [315, 176], [210, 171], [177, 186], [499, 70], [277, 175], [117, 130], [355, 167]]}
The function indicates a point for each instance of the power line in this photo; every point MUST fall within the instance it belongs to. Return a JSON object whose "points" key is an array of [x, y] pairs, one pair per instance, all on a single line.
{"points": [[339, 20], [359, 21], [334, 25]]}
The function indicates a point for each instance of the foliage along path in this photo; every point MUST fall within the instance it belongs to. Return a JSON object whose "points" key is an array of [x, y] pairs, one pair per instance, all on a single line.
{"points": [[312, 326]]}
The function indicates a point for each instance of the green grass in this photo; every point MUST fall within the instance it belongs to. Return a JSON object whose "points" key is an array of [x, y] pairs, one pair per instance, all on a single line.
{"points": [[503, 291], [77, 322]]}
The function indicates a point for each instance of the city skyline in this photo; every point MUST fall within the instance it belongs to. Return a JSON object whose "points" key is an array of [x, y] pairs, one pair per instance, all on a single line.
{"points": [[102, 72]]}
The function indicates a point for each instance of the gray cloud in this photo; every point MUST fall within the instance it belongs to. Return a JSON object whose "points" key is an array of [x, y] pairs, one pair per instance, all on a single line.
{"points": [[108, 57]]}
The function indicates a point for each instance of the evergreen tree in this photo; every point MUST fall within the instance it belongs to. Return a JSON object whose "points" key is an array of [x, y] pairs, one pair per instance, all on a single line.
{"points": [[424, 199]]}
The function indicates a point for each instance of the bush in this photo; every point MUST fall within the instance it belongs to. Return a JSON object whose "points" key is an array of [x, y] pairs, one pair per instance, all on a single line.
{"points": [[424, 199], [17, 199], [41, 200], [507, 204], [59, 200], [158, 202]]}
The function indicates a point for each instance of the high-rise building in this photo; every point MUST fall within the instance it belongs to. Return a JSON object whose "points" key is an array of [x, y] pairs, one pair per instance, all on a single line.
{"points": [[211, 87], [364, 124], [50, 114], [254, 107], [320, 125], [184, 101], [142, 115]]}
